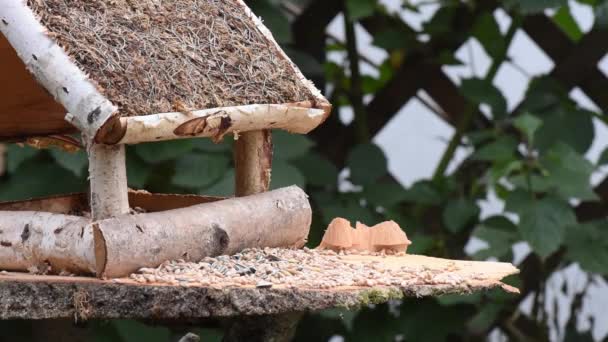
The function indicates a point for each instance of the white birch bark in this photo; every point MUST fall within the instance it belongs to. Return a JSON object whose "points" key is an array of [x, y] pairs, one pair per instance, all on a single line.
{"points": [[108, 181], [217, 122]]}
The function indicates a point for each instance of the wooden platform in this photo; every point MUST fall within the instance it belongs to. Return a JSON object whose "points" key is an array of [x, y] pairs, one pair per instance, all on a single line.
{"points": [[24, 296]]}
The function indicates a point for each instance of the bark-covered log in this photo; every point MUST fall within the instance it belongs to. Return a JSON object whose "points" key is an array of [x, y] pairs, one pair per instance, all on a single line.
{"points": [[33, 239], [279, 218], [213, 123], [108, 179], [123, 244]]}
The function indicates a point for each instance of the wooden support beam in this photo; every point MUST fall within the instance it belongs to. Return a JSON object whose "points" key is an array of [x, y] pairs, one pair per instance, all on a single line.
{"points": [[253, 162], [108, 180]]}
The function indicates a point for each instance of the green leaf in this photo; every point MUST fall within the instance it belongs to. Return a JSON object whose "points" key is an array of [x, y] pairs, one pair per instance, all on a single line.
{"points": [[537, 184], [569, 172], [480, 91], [367, 163], [290, 146], [485, 318], [419, 320], [358, 9], [207, 145], [223, 187], [285, 174], [564, 19], [317, 170], [15, 155], [274, 19], [158, 152], [488, 34], [377, 324], [384, 194], [137, 171], [305, 62], [423, 243], [537, 6], [74, 162], [543, 224], [502, 149], [454, 299], [133, 331], [347, 316], [558, 127], [499, 233], [587, 244], [527, 124], [391, 39], [518, 201], [31, 179], [459, 213], [441, 22], [423, 192], [199, 170], [348, 207], [601, 15], [504, 168]]}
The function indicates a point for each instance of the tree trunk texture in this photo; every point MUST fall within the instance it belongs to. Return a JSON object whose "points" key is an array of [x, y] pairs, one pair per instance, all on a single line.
{"points": [[108, 179], [253, 162], [45, 242]]}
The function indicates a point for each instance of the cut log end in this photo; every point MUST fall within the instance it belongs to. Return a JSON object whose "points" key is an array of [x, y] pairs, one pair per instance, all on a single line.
{"points": [[101, 252]]}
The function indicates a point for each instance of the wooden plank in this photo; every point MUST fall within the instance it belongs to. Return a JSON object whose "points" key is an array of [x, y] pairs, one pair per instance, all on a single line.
{"points": [[24, 296], [26, 108]]}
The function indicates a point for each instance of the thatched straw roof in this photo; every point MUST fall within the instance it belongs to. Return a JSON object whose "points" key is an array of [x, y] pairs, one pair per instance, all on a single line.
{"points": [[149, 56]]}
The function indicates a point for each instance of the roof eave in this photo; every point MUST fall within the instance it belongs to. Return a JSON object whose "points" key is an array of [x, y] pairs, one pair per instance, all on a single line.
{"points": [[299, 117]]}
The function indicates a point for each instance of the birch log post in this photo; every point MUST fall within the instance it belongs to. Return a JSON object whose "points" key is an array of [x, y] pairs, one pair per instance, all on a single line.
{"points": [[108, 180], [253, 162], [279, 218], [41, 241]]}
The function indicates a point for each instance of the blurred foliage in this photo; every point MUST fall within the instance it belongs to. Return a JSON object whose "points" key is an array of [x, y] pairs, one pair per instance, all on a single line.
{"points": [[532, 158]]}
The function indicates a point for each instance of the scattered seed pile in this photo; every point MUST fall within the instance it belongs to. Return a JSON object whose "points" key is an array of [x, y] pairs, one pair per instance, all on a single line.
{"points": [[305, 268], [148, 56]]}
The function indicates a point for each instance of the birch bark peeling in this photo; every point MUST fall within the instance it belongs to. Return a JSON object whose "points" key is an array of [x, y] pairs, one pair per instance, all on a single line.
{"points": [[38, 239], [213, 123], [108, 179], [279, 218], [253, 162]]}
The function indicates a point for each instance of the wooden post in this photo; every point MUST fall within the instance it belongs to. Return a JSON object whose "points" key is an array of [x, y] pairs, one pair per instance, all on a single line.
{"points": [[108, 180], [253, 162]]}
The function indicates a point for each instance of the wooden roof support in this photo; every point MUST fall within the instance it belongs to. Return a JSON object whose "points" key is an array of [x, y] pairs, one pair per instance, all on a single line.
{"points": [[108, 179], [253, 162]]}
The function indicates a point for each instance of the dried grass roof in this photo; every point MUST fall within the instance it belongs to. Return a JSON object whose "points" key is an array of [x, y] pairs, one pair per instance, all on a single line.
{"points": [[152, 56]]}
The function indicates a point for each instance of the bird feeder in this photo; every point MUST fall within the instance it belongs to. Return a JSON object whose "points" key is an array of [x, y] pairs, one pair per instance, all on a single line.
{"points": [[125, 72]]}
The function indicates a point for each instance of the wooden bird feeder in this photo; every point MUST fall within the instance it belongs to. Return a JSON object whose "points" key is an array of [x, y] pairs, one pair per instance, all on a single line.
{"points": [[126, 72]]}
